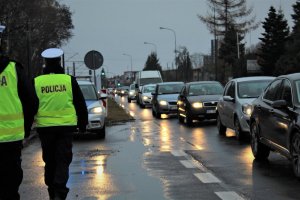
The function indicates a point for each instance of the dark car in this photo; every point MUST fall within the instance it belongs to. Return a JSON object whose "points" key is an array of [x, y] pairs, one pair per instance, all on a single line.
{"points": [[164, 98], [275, 121], [198, 100]]}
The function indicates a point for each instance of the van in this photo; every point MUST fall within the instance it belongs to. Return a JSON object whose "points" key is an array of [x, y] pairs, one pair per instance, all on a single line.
{"points": [[147, 77]]}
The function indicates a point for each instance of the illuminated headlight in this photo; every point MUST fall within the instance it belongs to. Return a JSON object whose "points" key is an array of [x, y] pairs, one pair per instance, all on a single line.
{"points": [[145, 98], [197, 105], [247, 109], [96, 110], [131, 92], [163, 103], [179, 102], [122, 92]]}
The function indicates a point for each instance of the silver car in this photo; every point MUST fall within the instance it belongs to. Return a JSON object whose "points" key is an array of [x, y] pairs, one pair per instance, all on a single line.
{"points": [[145, 96], [234, 108], [96, 110]]}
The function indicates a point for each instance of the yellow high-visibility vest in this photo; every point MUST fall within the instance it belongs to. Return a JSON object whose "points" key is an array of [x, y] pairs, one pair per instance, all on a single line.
{"points": [[55, 96], [11, 110]]}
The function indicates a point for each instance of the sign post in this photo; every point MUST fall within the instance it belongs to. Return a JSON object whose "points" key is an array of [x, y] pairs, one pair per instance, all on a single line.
{"points": [[93, 60]]}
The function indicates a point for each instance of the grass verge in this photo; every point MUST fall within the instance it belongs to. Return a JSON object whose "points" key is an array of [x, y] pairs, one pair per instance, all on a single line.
{"points": [[116, 113]]}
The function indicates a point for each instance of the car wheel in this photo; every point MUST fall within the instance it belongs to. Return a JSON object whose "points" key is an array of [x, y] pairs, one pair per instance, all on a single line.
{"points": [[295, 153], [259, 150], [102, 133], [220, 126], [142, 105], [238, 130], [129, 100]]}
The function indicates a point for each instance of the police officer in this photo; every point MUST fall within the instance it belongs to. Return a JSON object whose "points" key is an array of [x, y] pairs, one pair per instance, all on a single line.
{"points": [[61, 110], [17, 107]]}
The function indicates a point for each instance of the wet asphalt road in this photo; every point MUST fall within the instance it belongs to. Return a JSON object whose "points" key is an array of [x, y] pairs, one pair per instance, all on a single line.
{"points": [[162, 159]]}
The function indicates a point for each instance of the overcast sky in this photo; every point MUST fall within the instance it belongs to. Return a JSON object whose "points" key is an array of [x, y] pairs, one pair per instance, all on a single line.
{"points": [[117, 27]]}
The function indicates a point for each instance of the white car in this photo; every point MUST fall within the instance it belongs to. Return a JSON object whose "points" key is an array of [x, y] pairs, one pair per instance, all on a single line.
{"points": [[96, 110], [235, 106]]}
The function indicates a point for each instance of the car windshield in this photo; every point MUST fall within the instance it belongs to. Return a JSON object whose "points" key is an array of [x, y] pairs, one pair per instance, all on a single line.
{"points": [[88, 92], [170, 89], [148, 89], [145, 81], [205, 89], [132, 87], [251, 89]]}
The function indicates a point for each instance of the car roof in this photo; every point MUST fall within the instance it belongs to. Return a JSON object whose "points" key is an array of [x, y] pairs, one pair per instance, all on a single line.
{"points": [[294, 76], [253, 78], [81, 82], [168, 83], [201, 82]]}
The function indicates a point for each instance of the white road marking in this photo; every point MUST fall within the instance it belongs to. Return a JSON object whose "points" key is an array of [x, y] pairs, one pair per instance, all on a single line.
{"points": [[207, 178], [187, 164], [178, 153], [229, 196]]}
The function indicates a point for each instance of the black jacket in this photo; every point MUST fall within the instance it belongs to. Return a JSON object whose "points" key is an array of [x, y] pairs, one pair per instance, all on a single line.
{"points": [[25, 91], [78, 101]]}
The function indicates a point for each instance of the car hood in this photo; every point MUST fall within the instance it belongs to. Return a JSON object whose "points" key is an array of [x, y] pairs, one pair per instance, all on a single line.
{"points": [[148, 94], [204, 98], [168, 97], [92, 104], [247, 100]]}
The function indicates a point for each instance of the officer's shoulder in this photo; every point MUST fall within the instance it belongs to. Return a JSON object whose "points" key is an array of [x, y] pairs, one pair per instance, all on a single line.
{"points": [[18, 64]]}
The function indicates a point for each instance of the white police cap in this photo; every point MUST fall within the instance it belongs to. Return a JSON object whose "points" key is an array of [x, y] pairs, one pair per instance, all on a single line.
{"points": [[52, 53]]}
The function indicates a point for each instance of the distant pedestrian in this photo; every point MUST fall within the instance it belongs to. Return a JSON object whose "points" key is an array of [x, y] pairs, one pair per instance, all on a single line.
{"points": [[61, 110], [17, 107]]}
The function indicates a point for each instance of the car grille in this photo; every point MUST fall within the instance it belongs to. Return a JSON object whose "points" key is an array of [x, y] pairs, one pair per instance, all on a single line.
{"points": [[210, 104], [173, 103]]}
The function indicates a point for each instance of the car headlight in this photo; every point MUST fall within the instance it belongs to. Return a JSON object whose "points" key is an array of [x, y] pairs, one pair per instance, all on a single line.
{"points": [[131, 92], [145, 98], [247, 109], [197, 105], [179, 102], [163, 103], [96, 110]]}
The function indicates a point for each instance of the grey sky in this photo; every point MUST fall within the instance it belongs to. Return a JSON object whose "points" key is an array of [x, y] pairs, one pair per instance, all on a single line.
{"points": [[115, 27]]}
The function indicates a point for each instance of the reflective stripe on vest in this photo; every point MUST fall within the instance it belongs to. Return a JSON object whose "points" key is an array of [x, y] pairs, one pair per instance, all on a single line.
{"points": [[11, 110], [55, 101]]}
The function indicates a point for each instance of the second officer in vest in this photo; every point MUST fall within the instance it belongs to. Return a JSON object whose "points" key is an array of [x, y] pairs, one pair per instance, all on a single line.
{"points": [[61, 110]]}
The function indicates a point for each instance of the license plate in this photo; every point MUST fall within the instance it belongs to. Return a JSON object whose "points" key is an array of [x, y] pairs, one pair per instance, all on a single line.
{"points": [[173, 108], [211, 111]]}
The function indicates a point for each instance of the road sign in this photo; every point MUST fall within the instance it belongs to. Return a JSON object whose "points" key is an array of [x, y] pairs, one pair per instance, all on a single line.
{"points": [[93, 60]]}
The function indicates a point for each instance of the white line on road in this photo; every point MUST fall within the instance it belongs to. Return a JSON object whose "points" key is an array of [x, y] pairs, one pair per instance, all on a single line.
{"points": [[178, 153], [188, 164], [229, 196], [207, 178]]}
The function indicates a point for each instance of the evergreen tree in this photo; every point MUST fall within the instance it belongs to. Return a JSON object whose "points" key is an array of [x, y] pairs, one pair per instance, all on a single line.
{"points": [[224, 13], [152, 63], [230, 53], [273, 41]]}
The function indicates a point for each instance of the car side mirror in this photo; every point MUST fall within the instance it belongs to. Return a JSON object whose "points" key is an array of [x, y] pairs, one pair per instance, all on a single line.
{"points": [[228, 98], [279, 104]]}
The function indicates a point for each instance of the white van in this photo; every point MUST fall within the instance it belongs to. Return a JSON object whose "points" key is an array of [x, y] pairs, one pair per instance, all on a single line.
{"points": [[147, 77]]}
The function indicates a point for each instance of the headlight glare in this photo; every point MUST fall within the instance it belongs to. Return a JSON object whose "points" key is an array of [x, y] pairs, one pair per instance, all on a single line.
{"points": [[96, 110], [197, 105], [247, 109], [163, 103]]}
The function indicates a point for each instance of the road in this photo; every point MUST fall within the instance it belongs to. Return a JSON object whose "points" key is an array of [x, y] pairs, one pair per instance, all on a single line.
{"points": [[162, 159]]}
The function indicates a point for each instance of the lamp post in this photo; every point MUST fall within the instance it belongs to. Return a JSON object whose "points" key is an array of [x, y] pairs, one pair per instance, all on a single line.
{"points": [[175, 51], [153, 45], [130, 64]]}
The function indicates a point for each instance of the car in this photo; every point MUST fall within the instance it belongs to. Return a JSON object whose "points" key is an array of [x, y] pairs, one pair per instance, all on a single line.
{"points": [[123, 91], [164, 98], [234, 107], [96, 110], [132, 94], [275, 121], [198, 100], [145, 96]]}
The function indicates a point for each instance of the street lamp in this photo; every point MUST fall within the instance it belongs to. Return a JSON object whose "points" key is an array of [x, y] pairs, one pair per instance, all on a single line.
{"points": [[153, 45], [130, 64], [175, 51]]}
